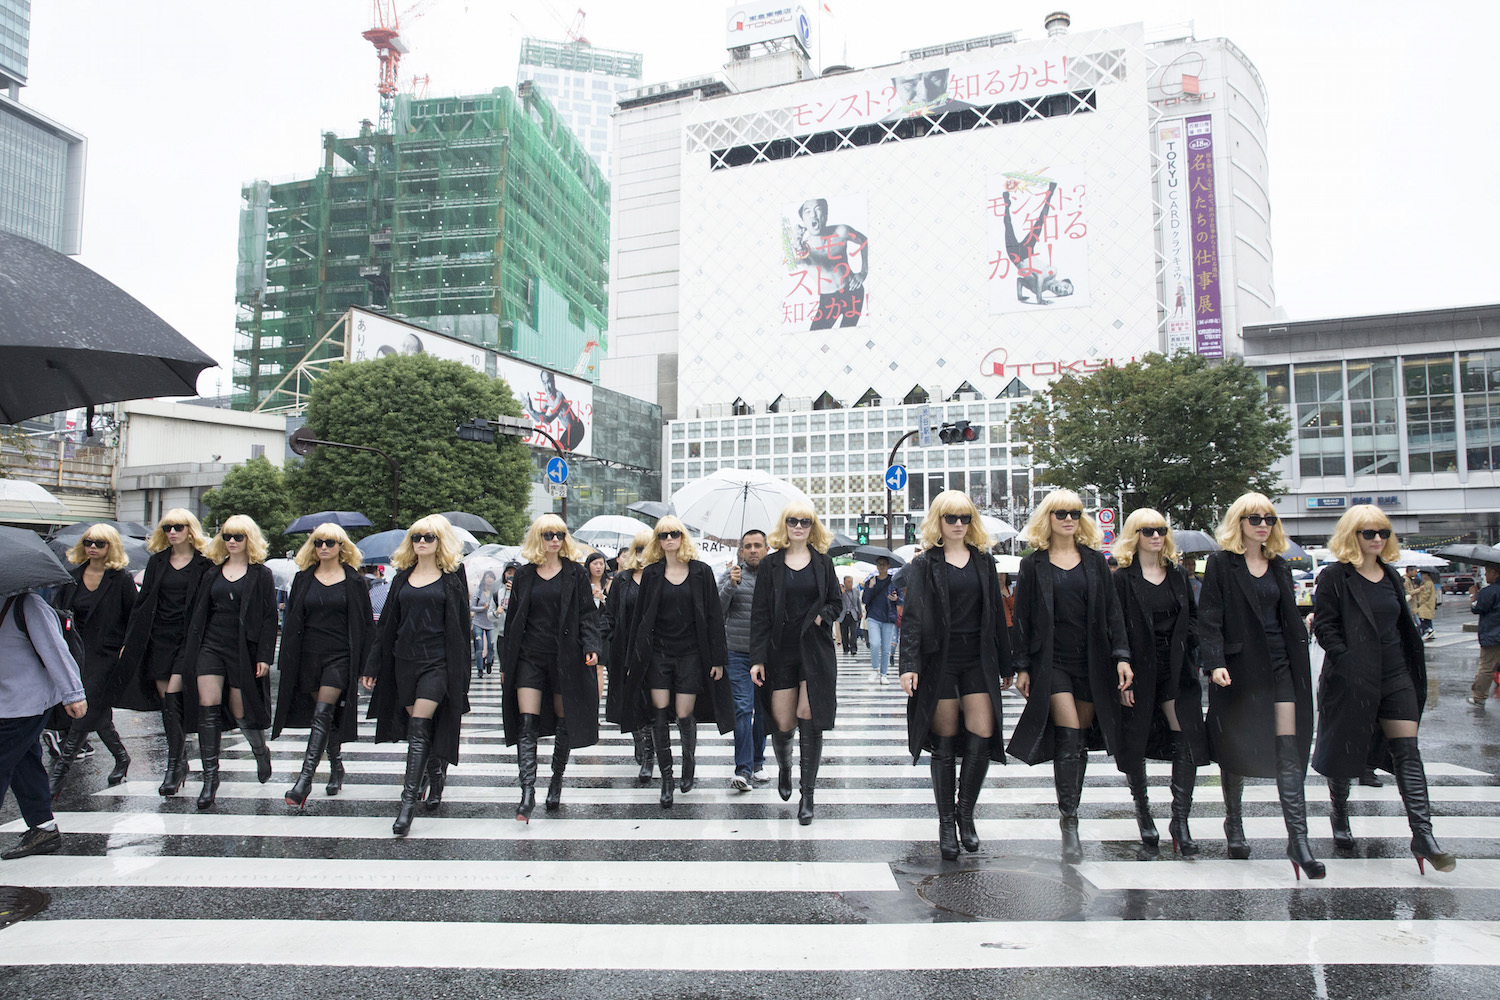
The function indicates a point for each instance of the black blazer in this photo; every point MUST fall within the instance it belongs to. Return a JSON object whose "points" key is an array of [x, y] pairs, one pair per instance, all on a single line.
{"points": [[138, 692], [1143, 731], [102, 630], [717, 703], [256, 643], [816, 650], [578, 635], [296, 709], [618, 617]]}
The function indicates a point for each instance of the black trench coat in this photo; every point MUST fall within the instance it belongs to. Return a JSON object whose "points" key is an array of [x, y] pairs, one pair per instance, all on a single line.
{"points": [[458, 655], [295, 708], [820, 663], [1143, 731], [103, 633], [256, 643], [1107, 645], [619, 617], [925, 631], [716, 704], [578, 636], [1241, 720], [1349, 736], [138, 692]]}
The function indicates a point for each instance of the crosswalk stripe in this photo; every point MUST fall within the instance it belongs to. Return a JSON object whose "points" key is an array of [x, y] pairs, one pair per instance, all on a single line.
{"points": [[1345, 873]]}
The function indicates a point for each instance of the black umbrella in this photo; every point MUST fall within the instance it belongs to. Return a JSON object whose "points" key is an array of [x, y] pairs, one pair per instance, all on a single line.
{"points": [[866, 553], [376, 549], [654, 509], [135, 550], [342, 518], [469, 522], [70, 338], [1482, 555], [1195, 543], [26, 563], [127, 529]]}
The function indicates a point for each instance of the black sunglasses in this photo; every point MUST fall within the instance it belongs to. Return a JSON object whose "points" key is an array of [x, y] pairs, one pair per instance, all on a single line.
{"points": [[233, 536], [958, 518], [1152, 531], [664, 535], [174, 527], [424, 536], [554, 536], [1063, 515], [325, 543], [1259, 519], [1370, 534], [799, 522], [95, 543]]}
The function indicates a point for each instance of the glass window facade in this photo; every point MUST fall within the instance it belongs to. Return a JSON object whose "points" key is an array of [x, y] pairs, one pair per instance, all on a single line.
{"points": [[1431, 427], [33, 181], [1320, 418], [1373, 429], [1479, 374]]}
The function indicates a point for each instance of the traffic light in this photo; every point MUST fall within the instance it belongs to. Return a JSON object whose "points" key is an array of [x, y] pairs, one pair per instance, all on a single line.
{"points": [[958, 432], [862, 533], [911, 532]]}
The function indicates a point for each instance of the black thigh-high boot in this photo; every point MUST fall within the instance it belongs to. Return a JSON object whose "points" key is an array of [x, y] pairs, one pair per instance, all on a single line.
{"points": [[317, 742], [335, 760], [1291, 773], [1338, 813], [944, 778], [110, 737], [661, 735], [210, 733], [526, 760], [172, 729], [1235, 844], [1068, 764], [560, 753], [1411, 781], [810, 743], [72, 742], [645, 755], [1136, 779], [687, 729], [437, 780], [418, 748], [970, 780], [257, 741], [781, 745], [1184, 776]]}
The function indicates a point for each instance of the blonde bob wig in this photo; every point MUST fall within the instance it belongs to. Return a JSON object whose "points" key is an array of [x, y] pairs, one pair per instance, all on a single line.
{"points": [[818, 538], [114, 553], [239, 524], [177, 515], [1232, 538], [449, 551], [687, 551], [1345, 542], [307, 556], [1038, 530], [953, 502], [533, 550], [633, 556], [1130, 536]]}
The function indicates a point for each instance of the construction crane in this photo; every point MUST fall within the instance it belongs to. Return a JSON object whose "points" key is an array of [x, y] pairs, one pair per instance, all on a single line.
{"points": [[385, 35]]}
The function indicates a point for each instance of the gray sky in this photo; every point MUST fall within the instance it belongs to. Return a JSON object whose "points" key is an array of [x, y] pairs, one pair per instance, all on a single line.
{"points": [[1379, 120]]}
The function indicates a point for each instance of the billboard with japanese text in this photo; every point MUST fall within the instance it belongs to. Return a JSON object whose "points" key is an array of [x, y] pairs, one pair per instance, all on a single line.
{"points": [[1038, 229], [825, 250]]}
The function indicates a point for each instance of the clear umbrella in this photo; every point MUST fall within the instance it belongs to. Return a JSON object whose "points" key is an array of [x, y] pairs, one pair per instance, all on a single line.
{"points": [[19, 498], [1421, 560], [730, 502]]}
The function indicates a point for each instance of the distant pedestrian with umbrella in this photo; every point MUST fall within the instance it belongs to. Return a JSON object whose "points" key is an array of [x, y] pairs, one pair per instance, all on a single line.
{"points": [[882, 598], [327, 637], [483, 611], [597, 568], [1486, 604], [792, 657], [1421, 597], [100, 598], [617, 623]]}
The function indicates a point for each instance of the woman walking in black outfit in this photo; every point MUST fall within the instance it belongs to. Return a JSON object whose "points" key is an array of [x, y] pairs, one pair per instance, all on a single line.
{"points": [[547, 667], [617, 625], [1162, 715], [158, 629], [327, 636], [418, 665], [100, 597], [955, 661], [679, 652], [1374, 682], [792, 657], [231, 638], [1254, 643], [1072, 657]]}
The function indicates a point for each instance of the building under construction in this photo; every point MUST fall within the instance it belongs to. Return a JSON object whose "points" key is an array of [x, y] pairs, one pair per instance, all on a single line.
{"points": [[481, 217]]}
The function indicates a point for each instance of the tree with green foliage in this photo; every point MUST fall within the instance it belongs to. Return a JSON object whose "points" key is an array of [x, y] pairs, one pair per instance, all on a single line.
{"points": [[409, 406], [1178, 434], [257, 489]]}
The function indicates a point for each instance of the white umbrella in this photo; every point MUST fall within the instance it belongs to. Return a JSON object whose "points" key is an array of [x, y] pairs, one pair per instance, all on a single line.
{"points": [[475, 566], [1008, 564], [998, 530], [467, 542], [1411, 557], [908, 552], [732, 501], [611, 531], [282, 571], [19, 497]]}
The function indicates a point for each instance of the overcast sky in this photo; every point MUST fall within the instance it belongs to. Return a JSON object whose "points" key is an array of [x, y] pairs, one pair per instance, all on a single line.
{"points": [[1382, 137]]}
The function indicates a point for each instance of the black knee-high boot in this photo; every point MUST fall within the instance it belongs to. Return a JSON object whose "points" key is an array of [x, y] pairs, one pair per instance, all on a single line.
{"points": [[526, 760], [645, 755], [172, 729], [1411, 781], [1069, 762], [1338, 813], [1235, 844], [335, 761], [437, 780], [72, 742], [257, 741], [210, 733], [687, 729], [418, 748], [1291, 773], [1136, 779], [781, 745], [970, 780], [317, 742], [944, 778], [661, 735], [560, 753], [810, 744], [1184, 776], [110, 737]]}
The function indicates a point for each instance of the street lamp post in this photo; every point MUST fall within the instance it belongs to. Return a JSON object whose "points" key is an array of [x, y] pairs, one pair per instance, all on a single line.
{"points": [[302, 442], [487, 431]]}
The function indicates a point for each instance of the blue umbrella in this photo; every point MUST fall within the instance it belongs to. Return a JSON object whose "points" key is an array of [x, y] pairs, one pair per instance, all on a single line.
{"points": [[342, 518], [377, 549]]}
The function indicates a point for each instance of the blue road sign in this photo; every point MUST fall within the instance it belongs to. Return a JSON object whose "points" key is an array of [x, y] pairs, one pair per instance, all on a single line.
{"points": [[557, 470], [895, 478]]}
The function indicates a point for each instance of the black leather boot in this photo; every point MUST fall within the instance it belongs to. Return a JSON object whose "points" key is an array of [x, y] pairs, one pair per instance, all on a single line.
{"points": [[1136, 779], [810, 743], [1068, 765], [1338, 813], [257, 741], [526, 761], [110, 737], [560, 753], [661, 735], [944, 778], [66, 756], [335, 761], [1411, 781], [210, 733], [1235, 844], [317, 742], [645, 755], [687, 729], [1291, 773], [437, 780], [781, 745], [418, 748], [171, 727], [971, 779], [1184, 776]]}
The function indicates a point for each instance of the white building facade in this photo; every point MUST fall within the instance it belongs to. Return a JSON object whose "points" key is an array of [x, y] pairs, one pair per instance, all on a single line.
{"points": [[581, 82]]}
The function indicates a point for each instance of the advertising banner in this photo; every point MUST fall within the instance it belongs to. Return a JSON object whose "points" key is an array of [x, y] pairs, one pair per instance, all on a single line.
{"points": [[1038, 227], [1203, 195], [825, 260], [1176, 240]]}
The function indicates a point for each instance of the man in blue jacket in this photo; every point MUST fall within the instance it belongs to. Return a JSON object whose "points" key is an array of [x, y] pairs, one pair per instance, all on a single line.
{"points": [[1486, 604]]}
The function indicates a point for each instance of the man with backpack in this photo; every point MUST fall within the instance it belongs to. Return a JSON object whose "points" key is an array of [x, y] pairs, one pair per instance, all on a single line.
{"points": [[37, 672]]}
